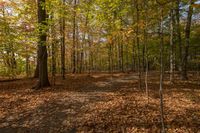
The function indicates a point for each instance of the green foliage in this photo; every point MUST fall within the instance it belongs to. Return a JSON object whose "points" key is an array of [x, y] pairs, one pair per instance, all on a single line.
{"points": [[99, 24]]}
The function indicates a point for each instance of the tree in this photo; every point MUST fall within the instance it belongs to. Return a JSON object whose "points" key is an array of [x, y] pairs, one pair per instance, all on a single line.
{"points": [[138, 42], [36, 73], [187, 40], [172, 42], [53, 49], [74, 38], [178, 32], [42, 50], [161, 35], [145, 46], [62, 32], [161, 70], [88, 28]]}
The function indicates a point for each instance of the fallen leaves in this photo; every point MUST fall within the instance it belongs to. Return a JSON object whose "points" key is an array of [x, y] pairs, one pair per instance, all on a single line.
{"points": [[96, 104]]}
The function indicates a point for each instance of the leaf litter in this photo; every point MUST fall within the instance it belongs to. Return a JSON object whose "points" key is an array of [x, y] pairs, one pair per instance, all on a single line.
{"points": [[95, 104]]}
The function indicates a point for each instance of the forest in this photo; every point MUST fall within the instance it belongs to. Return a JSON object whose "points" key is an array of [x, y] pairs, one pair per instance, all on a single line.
{"points": [[100, 66]]}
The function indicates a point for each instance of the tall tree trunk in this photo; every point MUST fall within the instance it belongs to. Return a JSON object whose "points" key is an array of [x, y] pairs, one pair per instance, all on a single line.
{"points": [[74, 40], [172, 23], [77, 48], [178, 30], [145, 47], [161, 71], [138, 43], [42, 53], [133, 41], [62, 30], [187, 41], [84, 44], [53, 52], [82, 54]]}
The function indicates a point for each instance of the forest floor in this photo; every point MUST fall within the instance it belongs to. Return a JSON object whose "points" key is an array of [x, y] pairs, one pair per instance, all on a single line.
{"points": [[99, 104]]}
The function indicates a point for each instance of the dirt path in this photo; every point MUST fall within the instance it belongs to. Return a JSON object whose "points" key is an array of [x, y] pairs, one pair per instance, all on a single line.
{"points": [[96, 104]]}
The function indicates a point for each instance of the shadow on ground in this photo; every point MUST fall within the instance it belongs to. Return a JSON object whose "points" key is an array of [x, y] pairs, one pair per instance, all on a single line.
{"points": [[95, 104]]}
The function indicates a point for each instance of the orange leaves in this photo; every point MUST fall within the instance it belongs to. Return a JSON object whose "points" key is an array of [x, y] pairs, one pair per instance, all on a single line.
{"points": [[7, 3], [2, 4], [196, 5], [122, 33], [95, 104]]}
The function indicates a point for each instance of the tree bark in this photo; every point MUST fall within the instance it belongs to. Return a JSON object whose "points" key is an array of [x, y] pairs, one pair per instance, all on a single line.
{"points": [[74, 40], [172, 45], [62, 31], [178, 30], [42, 50], [161, 71], [146, 49], [184, 75], [90, 62], [77, 47], [138, 43], [36, 73], [53, 52]]}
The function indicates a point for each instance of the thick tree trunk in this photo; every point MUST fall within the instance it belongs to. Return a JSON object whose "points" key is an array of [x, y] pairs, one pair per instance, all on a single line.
{"points": [[187, 41], [42, 53]]}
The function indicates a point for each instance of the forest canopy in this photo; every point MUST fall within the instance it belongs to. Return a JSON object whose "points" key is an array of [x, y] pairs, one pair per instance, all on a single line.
{"points": [[98, 35], [94, 33]]}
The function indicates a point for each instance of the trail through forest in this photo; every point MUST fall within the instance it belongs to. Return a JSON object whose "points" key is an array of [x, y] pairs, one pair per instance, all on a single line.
{"points": [[98, 103]]}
